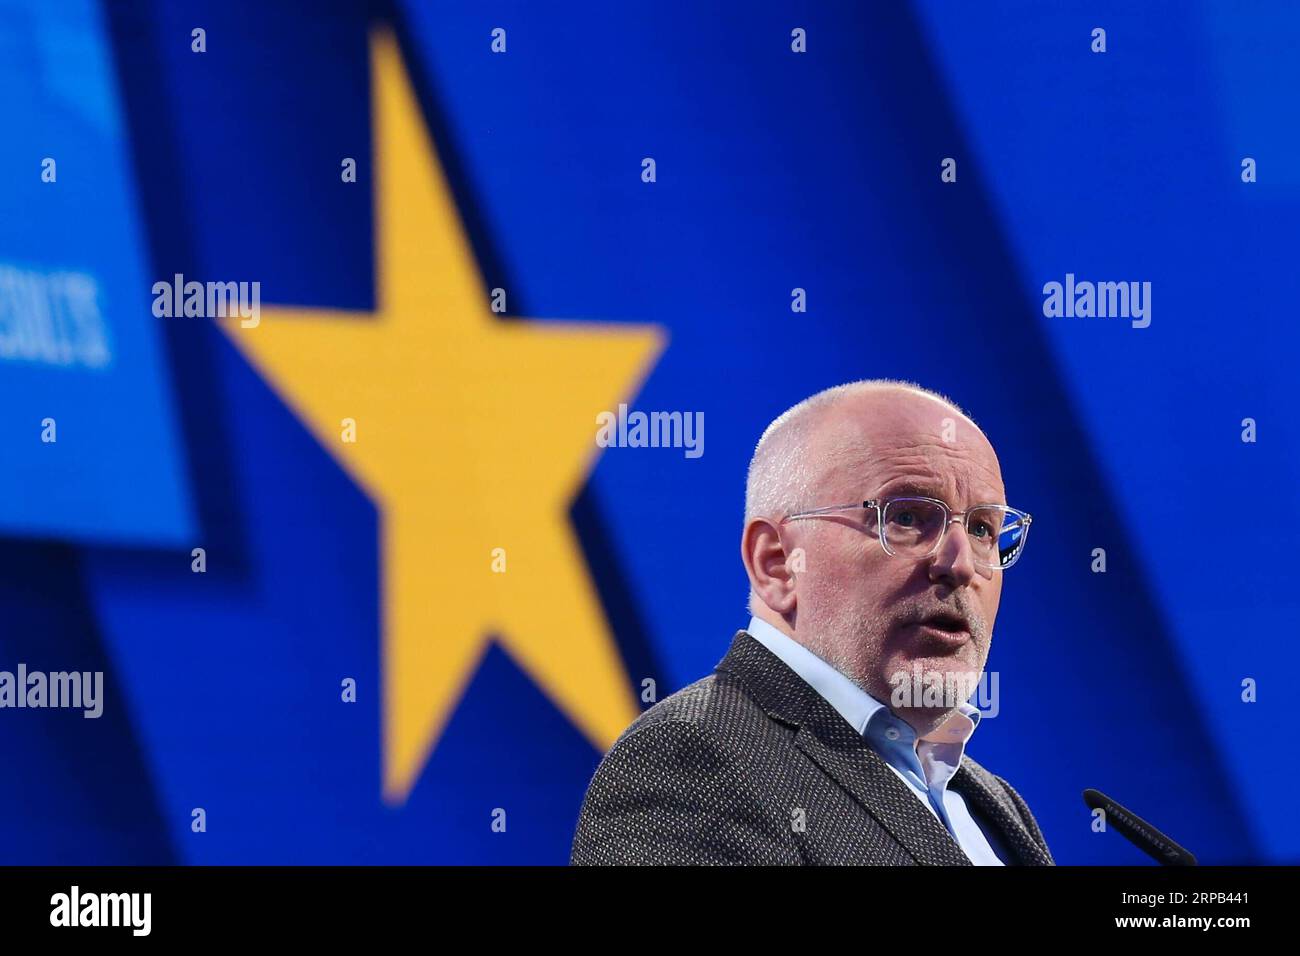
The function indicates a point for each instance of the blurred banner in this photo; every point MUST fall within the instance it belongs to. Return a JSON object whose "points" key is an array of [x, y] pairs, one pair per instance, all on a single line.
{"points": [[325, 328]]}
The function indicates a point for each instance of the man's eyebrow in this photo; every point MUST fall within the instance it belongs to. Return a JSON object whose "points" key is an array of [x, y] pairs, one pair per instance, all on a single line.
{"points": [[910, 486]]}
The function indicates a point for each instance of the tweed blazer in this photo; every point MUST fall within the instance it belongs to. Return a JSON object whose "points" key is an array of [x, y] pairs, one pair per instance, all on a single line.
{"points": [[752, 766]]}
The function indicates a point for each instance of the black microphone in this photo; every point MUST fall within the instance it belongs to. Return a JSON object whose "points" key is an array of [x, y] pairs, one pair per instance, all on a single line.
{"points": [[1138, 832]]}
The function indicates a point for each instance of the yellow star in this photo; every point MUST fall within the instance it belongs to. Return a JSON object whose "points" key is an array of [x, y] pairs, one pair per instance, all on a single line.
{"points": [[471, 434]]}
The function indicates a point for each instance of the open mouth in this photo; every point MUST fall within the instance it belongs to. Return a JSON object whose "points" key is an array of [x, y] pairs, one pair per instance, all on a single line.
{"points": [[949, 623], [943, 629]]}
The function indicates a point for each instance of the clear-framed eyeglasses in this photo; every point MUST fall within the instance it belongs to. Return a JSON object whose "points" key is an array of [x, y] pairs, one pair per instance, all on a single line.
{"points": [[913, 528]]}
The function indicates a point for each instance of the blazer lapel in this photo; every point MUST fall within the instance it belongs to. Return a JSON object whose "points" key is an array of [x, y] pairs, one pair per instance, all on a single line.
{"points": [[972, 786], [841, 752]]}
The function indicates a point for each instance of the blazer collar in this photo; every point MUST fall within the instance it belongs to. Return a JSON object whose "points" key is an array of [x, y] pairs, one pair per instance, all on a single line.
{"points": [[971, 781], [840, 751]]}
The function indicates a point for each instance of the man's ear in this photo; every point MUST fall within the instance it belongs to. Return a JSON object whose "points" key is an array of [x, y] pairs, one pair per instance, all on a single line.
{"points": [[770, 570]]}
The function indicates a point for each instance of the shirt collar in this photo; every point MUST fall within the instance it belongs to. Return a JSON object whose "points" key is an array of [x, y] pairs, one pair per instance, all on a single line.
{"points": [[868, 716]]}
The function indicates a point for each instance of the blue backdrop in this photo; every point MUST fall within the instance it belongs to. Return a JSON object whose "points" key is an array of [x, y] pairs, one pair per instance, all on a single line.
{"points": [[774, 170]]}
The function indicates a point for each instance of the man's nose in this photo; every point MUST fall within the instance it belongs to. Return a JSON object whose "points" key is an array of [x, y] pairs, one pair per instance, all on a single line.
{"points": [[954, 563]]}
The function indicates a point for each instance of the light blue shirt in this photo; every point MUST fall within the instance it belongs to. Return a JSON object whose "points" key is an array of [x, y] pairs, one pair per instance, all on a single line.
{"points": [[925, 766]]}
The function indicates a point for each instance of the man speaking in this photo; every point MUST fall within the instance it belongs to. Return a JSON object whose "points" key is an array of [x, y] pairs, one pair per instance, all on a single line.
{"points": [[835, 728]]}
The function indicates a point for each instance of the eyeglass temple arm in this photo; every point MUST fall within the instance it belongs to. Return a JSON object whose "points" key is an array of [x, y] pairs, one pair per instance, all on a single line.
{"points": [[828, 510]]}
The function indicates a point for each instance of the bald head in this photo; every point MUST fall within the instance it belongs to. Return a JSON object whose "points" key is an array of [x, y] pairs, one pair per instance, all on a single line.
{"points": [[830, 582], [816, 436]]}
